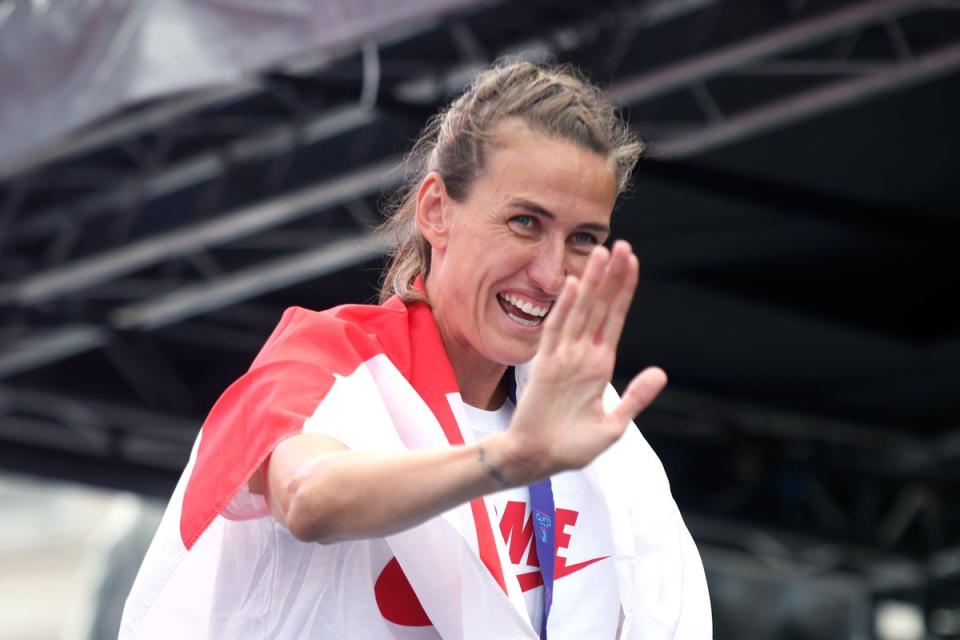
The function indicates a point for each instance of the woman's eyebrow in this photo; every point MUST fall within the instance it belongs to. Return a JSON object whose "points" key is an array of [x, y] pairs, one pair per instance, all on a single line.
{"points": [[532, 207]]}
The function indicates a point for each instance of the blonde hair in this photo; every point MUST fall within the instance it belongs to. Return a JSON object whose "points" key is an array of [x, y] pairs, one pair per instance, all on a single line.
{"points": [[554, 100]]}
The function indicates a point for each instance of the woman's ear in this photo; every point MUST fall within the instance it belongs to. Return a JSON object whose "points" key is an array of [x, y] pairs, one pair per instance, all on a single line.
{"points": [[433, 212]]}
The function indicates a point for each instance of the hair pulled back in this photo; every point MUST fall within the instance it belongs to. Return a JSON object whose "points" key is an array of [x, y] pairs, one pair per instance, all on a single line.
{"points": [[553, 100]]}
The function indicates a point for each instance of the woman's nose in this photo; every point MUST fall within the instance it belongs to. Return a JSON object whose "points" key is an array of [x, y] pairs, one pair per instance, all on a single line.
{"points": [[548, 269]]}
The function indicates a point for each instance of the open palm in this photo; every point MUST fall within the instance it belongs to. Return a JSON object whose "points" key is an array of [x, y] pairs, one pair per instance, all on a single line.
{"points": [[560, 421]]}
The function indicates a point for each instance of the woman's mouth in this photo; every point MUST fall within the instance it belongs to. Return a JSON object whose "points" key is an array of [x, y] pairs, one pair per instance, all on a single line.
{"points": [[521, 311]]}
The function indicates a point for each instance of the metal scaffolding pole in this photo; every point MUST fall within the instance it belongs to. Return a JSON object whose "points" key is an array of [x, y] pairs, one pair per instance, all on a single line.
{"points": [[190, 301], [713, 63], [799, 107], [182, 242]]}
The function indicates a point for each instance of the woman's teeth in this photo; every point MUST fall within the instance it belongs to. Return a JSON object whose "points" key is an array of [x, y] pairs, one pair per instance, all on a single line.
{"points": [[534, 313], [524, 321], [526, 307]]}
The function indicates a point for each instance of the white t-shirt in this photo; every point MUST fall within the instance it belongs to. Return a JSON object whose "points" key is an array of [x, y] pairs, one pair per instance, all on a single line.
{"points": [[586, 602]]}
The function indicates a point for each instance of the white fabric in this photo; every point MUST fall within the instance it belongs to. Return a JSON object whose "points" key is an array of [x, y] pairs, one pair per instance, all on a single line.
{"points": [[252, 579], [586, 601], [482, 424]]}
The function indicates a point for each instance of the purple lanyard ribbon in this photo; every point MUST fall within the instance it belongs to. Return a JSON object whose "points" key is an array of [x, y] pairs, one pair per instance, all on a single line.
{"points": [[544, 519], [544, 516]]}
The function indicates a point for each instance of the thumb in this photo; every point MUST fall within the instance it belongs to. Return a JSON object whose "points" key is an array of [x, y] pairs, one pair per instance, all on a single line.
{"points": [[640, 394]]}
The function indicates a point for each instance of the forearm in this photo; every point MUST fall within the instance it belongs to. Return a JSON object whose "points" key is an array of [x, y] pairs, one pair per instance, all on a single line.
{"points": [[347, 495]]}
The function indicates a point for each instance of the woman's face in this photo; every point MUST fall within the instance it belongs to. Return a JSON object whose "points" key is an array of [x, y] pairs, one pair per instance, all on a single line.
{"points": [[500, 257]]}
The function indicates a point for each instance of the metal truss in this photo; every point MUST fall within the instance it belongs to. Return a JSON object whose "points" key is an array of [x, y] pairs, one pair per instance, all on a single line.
{"points": [[159, 300], [860, 577], [192, 300], [307, 121], [272, 212], [95, 429], [298, 118], [862, 486], [821, 49], [858, 511], [152, 169], [753, 560]]}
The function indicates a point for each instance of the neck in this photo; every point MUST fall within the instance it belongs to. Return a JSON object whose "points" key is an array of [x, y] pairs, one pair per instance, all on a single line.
{"points": [[478, 377], [479, 382]]}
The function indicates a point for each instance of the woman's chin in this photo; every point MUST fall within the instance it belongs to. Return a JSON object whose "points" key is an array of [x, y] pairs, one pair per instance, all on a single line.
{"points": [[514, 352]]}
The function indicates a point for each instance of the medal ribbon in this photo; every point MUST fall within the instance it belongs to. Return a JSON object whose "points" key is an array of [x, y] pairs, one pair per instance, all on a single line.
{"points": [[544, 517]]}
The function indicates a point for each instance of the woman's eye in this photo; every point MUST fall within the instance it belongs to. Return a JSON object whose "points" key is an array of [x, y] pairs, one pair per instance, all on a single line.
{"points": [[524, 223], [585, 238]]}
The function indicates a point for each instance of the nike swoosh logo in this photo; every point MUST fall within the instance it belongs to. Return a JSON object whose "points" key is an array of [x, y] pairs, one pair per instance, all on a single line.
{"points": [[533, 579]]}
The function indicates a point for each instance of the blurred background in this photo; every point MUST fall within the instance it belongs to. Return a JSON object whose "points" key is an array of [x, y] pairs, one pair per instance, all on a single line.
{"points": [[173, 174]]}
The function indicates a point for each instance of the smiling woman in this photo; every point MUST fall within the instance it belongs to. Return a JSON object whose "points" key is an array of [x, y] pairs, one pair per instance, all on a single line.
{"points": [[534, 213], [444, 448], [553, 101]]}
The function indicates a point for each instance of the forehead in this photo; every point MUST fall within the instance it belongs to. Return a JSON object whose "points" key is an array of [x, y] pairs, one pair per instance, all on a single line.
{"points": [[557, 174]]}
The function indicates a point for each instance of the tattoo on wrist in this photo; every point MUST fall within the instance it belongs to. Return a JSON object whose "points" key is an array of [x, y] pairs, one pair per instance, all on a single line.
{"points": [[492, 472]]}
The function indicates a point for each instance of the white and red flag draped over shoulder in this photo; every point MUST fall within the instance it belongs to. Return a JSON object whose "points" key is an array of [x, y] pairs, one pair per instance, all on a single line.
{"points": [[377, 378]]}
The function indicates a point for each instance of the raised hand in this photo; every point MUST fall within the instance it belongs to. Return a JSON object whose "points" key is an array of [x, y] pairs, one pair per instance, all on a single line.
{"points": [[560, 422]]}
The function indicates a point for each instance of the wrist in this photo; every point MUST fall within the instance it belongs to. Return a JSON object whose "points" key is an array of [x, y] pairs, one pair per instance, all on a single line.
{"points": [[507, 463]]}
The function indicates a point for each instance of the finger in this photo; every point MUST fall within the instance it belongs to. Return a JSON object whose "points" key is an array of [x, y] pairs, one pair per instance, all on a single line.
{"points": [[620, 306], [640, 394], [586, 293], [613, 277], [559, 311]]}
